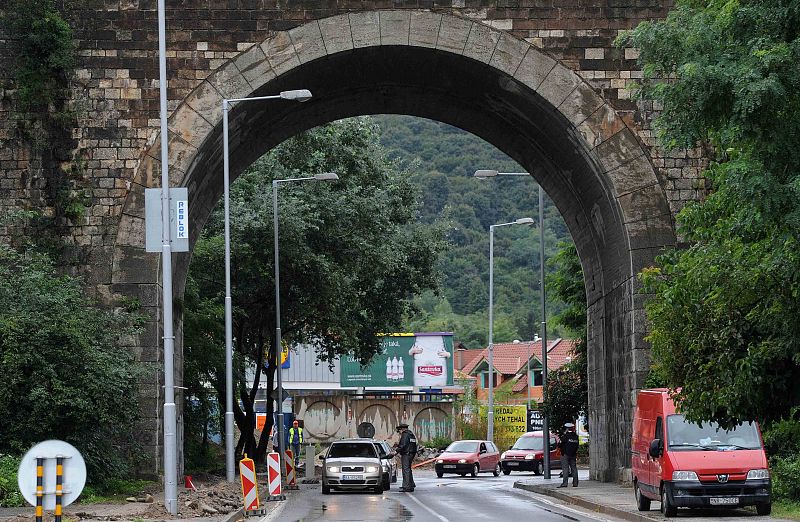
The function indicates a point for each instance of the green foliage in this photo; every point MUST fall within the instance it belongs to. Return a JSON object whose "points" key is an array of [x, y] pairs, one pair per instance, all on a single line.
{"points": [[115, 491], [725, 309], [438, 442], [47, 53], [782, 439], [9, 490], [63, 371], [442, 160], [785, 474]]}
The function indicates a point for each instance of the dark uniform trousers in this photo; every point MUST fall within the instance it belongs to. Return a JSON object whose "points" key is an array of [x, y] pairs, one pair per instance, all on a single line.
{"points": [[408, 477]]}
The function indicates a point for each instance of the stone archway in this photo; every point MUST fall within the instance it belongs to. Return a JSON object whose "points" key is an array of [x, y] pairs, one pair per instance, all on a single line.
{"points": [[467, 74]]}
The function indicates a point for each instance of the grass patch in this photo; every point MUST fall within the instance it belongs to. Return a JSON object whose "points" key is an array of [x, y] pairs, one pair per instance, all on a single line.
{"points": [[116, 491], [786, 509]]}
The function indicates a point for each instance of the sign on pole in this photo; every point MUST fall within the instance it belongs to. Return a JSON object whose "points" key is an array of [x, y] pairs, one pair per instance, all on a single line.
{"points": [[49, 454], [178, 219], [535, 420]]}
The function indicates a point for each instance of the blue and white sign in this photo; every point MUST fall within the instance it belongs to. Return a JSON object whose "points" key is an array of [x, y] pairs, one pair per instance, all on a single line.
{"points": [[182, 219], [178, 219]]}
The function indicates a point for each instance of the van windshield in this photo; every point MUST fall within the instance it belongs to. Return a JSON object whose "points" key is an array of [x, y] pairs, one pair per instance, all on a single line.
{"points": [[687, 436], [528, 443]]}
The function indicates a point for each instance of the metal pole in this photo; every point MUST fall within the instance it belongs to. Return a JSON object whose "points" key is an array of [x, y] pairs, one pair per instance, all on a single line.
{"points": [[278, 348], [230, 466], [545, 422], [490, 413], [170, 422]]}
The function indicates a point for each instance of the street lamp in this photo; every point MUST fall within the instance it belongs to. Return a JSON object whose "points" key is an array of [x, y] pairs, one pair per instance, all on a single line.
{"points": [[490, 414], [483, 174], [325, 176], [296, 95]]}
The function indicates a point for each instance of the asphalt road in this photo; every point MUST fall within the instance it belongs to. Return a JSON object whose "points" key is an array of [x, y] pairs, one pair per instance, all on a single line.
{"points": [[451, 498]]}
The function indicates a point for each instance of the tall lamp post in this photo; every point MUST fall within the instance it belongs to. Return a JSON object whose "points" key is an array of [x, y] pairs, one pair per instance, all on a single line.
{"points": [[170, 417], [490, 413], [325, 176], [483, 174], [296, 95]]}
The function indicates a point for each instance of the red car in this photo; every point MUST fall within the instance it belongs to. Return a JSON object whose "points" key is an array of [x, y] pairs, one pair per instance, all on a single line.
{"points": [[469, 456], [527, 454]]}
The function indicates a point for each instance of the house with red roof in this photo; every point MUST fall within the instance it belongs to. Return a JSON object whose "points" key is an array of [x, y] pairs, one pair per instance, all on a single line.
{"points": [[511, 362]]}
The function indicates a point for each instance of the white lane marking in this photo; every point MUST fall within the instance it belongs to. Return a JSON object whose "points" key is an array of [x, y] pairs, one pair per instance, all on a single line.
{"points": [[429, 510]]}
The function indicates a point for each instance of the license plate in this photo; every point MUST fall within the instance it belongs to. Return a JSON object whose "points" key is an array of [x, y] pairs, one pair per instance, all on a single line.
{"points": [[724, 501], [512, 463], [449, 465], [352, 477]]}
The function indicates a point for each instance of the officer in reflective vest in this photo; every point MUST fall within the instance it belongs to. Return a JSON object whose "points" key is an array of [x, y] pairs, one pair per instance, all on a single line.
{"points": [[295, 439]]}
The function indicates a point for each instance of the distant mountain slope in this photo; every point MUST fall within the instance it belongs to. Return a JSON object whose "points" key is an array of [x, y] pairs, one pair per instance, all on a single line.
{"points": [[442, 160]]}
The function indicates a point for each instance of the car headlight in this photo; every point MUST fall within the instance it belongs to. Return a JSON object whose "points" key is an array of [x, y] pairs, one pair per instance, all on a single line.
{"points": [[333, 469], [440, 461], [684, 475], [462, 461], [503, 456], [529, 457], [372, 469], [758, 474]]}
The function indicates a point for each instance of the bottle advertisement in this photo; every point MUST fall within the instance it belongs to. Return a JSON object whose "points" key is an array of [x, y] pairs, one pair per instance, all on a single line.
{"points": [[406, 359]]}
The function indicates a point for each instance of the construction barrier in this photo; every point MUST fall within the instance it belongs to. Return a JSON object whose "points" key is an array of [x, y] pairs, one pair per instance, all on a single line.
{"points": [[274, 477], [291, 474], [247, 473]]}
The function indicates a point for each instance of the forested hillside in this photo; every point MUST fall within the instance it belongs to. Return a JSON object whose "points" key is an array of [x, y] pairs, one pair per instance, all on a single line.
{"points": [[443, 159]]}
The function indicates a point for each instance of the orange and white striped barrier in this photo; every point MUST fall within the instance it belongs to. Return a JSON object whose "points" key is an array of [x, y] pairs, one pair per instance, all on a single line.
{"points": [[291, 474], [274, 477], [247, 473]]}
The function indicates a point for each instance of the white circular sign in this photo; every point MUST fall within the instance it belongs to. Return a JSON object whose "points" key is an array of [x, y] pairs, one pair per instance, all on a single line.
{"points": [[74, 473]]}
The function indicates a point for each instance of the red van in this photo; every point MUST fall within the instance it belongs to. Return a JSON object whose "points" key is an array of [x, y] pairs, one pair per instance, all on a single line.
{"points": [[682, 464]]}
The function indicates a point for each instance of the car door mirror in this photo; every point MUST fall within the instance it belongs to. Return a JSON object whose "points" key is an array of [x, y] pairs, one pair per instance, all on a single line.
{"points": [[656, 448], [511, 447]]}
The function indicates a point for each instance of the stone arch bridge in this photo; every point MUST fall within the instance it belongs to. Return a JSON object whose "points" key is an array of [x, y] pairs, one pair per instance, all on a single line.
{"points": [[539, 79]]}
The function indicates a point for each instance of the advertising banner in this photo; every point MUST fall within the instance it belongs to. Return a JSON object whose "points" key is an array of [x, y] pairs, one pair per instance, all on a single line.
{"points": [[407, 359], [535, 420], [510, 422]]}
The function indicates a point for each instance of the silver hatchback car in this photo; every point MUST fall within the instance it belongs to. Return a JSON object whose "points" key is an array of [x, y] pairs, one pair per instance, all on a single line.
{"points": [[352, 464]]}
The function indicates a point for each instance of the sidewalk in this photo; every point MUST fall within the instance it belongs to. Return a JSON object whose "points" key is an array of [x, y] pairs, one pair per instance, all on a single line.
{"points": [[617, 501]]}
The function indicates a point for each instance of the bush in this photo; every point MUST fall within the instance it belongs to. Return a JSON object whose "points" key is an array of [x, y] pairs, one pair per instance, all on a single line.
{"points": [[439, 442], [9, 491], [782, 439], [786, 477]]}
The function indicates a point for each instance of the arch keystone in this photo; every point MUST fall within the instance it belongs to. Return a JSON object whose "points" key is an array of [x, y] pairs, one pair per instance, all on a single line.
{"points": [[424, 28], [366, 29], [395, 26]]}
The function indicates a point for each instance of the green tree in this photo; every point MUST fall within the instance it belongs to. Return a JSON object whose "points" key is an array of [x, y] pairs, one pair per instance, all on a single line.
{"points": [[724, 310], [567, 387], [64, 371], [353, 254]]}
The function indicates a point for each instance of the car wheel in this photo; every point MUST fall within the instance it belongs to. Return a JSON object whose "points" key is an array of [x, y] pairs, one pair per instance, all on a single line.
{"points": [[667, 508], [506, 471], [496, 471], [539, 470], [440, 474], [642, 502], [379, 488], [326, 490], [475, 470], [764, 509], [387, 484]]}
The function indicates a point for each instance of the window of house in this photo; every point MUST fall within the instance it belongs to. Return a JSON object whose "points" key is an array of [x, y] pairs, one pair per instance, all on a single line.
{"points": [[485, 380], [537, 377]]}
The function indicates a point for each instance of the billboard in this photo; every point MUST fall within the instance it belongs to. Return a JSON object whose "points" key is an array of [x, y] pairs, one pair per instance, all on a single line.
{"points": [[407, 359], [510, 423]]}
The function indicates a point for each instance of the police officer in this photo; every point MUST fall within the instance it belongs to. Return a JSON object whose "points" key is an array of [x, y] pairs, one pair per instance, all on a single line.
{"points": [[407, 448], [569, 451], [295, 439]]}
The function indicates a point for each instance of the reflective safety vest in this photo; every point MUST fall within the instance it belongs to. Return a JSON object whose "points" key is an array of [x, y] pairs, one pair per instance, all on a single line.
{"points": [[299, 435]]}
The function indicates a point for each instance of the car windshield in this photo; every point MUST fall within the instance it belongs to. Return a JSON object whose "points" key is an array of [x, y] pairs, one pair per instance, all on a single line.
{"points": [[462, 446], [352, 449], [687, 436], [528, 443]]}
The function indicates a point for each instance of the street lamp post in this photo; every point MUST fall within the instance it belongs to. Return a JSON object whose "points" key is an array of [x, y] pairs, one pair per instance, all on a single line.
{"points": [[483, 174], [296, 95], [490, 413], [325, 176]]}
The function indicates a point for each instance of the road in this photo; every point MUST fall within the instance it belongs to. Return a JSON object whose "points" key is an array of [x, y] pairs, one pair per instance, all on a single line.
{"points": [[451, 498]]}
